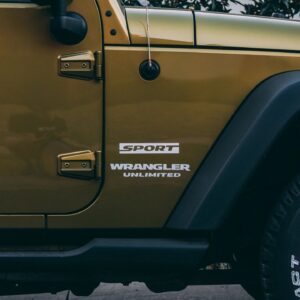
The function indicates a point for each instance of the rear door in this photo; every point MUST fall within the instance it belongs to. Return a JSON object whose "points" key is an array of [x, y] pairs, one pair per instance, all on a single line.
{"points": [[47, 110]]}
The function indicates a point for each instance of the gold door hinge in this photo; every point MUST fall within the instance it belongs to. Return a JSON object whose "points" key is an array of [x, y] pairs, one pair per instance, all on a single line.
{"points": [[82, 164], [81, 65], [99, 65]]}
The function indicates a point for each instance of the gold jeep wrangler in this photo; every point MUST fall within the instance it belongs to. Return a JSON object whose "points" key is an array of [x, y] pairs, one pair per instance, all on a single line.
{"points": [[148, 144]]}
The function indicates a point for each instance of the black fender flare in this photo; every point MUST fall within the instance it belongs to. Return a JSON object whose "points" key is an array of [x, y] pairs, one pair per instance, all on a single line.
{"points": [[218, 182]]}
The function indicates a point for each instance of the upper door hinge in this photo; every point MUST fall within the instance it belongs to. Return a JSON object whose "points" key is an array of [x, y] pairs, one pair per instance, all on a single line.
{"points": [[99, 65], [82, 164], [81, 65]]}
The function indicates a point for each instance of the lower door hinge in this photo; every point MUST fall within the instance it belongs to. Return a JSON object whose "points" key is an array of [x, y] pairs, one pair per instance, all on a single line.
{"points": [[81, 65], [81, 164]]}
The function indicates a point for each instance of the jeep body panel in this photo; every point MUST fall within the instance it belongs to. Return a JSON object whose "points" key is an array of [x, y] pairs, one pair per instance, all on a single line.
{"points": [[183, 105], [167, 27], [42, 112], [189, 104], [186, 28], [241, 31], [113, 17]]}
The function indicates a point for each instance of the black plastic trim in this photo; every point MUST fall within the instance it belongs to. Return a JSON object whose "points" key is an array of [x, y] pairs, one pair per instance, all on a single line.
{"points": [[249, 135], [112, 254]]}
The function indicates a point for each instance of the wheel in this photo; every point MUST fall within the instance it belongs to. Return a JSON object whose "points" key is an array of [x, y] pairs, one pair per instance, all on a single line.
{"points": [[280, 252]]}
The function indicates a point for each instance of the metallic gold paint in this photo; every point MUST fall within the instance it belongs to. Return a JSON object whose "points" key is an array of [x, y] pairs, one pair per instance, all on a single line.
{"points": [[190, 103], [115, 21], [227, 30], [198, 91], [167, 27], [42, 114]]}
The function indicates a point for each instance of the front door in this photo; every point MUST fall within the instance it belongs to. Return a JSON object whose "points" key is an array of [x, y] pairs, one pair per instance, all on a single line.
{"points": [[47, 111]]}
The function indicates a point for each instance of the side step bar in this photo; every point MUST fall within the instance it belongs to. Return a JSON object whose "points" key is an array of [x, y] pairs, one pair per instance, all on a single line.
{"points": [[113, 254]]}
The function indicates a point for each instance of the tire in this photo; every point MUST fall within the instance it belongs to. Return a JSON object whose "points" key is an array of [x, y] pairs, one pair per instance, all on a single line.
{"points": [[247, 265], [280, 251]]}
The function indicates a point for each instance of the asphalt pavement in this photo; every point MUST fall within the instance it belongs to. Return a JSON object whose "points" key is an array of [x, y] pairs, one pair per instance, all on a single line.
{"points": [[140, 291]]}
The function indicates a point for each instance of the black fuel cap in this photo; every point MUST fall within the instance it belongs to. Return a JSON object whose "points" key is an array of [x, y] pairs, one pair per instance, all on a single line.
{"points": [[149, 70]]}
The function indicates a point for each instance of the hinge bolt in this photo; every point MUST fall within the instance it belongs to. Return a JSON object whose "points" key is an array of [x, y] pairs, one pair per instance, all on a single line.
{"points": [[84, 65], [113, 32], [66, 165], [84, 164], [108, 13], [66, 65]]}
